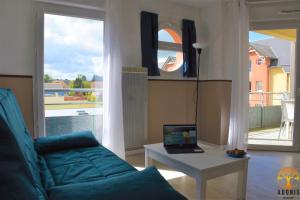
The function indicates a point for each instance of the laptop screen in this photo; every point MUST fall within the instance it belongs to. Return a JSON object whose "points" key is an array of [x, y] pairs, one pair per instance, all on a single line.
{"points": [[180, 135]]}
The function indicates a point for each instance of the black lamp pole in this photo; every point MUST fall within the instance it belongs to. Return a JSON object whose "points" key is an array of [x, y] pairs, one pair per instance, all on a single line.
{"points": [[197, 90]]}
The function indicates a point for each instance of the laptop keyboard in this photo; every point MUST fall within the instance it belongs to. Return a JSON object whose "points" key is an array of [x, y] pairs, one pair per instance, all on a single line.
{"points": [[184, 150]]}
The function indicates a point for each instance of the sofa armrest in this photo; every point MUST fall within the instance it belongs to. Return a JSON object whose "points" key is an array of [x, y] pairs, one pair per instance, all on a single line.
{"points": [[147, 185], [44, 145]]}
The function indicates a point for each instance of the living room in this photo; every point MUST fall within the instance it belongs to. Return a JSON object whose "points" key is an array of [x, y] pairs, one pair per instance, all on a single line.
{"points": [[105, 87]]}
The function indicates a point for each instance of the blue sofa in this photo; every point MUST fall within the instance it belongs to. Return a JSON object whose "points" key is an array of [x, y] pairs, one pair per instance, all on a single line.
{"points": [[69, 167]]}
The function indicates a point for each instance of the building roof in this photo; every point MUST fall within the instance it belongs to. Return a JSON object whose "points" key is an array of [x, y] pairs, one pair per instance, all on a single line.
{"points": [[263, 50], [170, 61], [282, 50], [97, 78], [53, 85], [67, 82]]}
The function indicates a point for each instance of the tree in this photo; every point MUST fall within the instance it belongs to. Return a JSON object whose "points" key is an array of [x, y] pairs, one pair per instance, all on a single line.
{"points": [[48, 78], [79, 82]]}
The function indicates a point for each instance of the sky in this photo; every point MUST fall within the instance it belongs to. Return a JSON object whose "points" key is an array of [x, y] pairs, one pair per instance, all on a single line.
{"points": [[164, 36], [73, 46], [253, 36]]}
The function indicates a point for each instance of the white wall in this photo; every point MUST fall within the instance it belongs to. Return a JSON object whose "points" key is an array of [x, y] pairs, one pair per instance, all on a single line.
{"points": [[17, 37], [211, 26], [215, 26]]}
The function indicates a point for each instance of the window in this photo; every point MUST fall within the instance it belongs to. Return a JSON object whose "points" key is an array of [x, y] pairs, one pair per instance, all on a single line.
{"points": [[259, 61], [170, 56], [70, 72], [259, 86]]}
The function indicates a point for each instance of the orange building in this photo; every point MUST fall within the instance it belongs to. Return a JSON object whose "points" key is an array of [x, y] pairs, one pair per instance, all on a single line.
{"points": [[261, 58], [269, 71]]}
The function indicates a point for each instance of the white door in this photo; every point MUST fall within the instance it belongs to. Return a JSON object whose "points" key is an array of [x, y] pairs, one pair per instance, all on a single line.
{"points": [[69, 76]]}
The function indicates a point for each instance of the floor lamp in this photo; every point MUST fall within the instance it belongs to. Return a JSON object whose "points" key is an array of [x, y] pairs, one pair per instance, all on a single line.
{"points": [[198, 47]]}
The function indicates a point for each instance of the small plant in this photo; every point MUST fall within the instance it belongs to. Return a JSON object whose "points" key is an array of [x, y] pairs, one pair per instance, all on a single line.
{"points": [[91, 98]]}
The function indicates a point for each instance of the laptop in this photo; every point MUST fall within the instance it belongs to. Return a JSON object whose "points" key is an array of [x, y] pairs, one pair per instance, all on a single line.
{"points": [[181, 139]]}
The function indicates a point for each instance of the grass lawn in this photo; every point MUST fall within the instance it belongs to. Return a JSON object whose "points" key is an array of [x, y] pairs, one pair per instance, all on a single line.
{"points": [[72, 106]]}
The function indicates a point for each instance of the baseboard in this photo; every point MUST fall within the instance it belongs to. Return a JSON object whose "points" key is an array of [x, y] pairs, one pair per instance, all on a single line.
{"points": [[130, 152]]}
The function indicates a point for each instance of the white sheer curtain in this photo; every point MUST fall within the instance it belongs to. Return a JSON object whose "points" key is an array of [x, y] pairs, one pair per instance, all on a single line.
{"points": [[113, 134], [236, 28]]}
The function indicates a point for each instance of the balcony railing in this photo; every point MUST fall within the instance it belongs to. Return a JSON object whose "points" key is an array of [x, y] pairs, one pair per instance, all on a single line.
{"points": [[267, 98], [73, 89], [265, 119], [265, 109], [73, 109]]}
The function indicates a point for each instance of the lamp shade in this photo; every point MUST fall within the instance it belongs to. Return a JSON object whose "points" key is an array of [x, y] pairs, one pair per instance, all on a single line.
{"points": [[199, 45]]}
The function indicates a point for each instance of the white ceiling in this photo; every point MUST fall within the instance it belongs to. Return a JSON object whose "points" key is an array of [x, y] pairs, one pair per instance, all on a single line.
{"points": [[270, 1], [202, 3], [196, 3]]}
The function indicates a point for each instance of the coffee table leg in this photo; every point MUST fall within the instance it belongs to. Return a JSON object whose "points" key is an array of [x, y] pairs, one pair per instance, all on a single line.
{"points": [[242, 181], [148, 160], [200, 187]]}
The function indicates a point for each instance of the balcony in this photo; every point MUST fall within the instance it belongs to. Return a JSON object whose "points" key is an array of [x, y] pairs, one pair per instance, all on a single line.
{"points": [[266, 117], [68, 110]]}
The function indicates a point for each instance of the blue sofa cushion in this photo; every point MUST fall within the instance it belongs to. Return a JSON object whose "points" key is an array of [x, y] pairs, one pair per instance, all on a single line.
{"points": [[50, 144], [144, 185], [16, 181], [11, 113], [81, 165]]}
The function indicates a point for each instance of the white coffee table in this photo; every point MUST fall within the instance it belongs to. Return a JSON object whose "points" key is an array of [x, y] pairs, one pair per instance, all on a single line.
{"points": [[211, 164]]}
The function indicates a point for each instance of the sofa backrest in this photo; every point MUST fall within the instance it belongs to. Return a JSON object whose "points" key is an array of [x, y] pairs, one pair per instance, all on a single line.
{"points": [[11, 113]]}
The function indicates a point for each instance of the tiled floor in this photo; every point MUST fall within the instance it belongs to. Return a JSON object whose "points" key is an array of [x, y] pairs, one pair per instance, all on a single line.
{"points": [[262, 176]]}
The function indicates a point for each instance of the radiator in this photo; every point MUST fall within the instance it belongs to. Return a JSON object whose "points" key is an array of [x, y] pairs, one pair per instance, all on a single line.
{"points": [[135, 105]]}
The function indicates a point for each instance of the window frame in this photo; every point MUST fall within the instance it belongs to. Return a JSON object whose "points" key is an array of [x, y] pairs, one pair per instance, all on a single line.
{"points": [[41, 9], [260, 61], [170, 46], [259, 86], [165, 24]]}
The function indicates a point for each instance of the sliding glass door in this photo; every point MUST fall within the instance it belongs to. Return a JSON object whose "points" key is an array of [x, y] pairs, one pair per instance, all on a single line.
{"points": [[272, 88], [71, 67]]}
